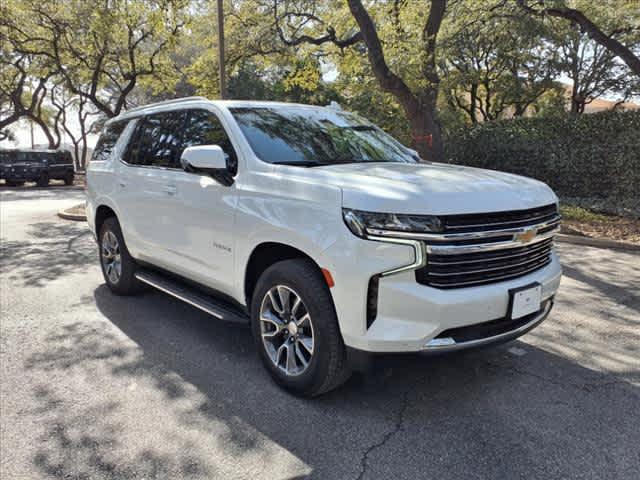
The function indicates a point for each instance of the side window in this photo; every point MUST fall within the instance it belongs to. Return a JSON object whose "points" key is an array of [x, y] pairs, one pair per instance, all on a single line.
{"points": [[204, 128], [108, 140], [157, 141]]}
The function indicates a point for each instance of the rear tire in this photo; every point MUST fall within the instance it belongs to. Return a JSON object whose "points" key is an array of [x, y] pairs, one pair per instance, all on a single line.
{"points": [[118, 266], [301, 346], [13, 184], [68, 179], [43, 181]]}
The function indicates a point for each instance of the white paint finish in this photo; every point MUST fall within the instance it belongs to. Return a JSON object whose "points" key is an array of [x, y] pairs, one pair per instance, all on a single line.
{"points": [[204, 156], [199, 233], [207, 232]]}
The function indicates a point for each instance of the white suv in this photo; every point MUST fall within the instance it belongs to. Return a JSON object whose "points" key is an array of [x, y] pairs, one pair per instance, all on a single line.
{"points": [[328, 236]]}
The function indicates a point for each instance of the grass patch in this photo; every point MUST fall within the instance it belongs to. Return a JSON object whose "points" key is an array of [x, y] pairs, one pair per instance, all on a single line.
{"points": [[584, 222], [579, 214], [77, 210]]}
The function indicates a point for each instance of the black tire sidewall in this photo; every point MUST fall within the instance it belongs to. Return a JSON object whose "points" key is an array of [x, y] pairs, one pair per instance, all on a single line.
{"points": [[43, 181], [127, 283], [303, 278]]}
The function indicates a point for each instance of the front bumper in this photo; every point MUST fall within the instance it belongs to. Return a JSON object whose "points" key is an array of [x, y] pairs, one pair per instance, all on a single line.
{"points": [[25, 176], [488, 333], [411, 316]]}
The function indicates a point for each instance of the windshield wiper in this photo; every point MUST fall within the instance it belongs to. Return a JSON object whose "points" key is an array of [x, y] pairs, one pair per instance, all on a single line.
{"points": [[301, 163], [315, 163], [361, 128]]}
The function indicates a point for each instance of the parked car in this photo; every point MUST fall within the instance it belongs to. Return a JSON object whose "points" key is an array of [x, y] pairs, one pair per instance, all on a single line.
{"points": [[326, 235], [27, 165]]}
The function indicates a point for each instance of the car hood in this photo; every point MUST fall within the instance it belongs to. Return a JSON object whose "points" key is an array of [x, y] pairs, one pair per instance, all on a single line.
{"points": [[432, 188]]}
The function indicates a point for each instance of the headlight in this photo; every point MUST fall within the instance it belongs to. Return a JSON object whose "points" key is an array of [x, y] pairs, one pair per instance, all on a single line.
{"points": [[363, 223]]}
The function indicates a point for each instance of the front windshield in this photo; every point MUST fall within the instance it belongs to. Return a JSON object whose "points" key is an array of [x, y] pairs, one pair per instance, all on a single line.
{"points": [[308, 136]]}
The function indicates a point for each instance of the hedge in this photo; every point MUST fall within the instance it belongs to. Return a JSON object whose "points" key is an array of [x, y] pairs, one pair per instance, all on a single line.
{"points": [[591, 159]]}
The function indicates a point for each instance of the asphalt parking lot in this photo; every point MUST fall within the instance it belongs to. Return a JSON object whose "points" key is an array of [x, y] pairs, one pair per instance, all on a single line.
{"points": [[97, 386]]}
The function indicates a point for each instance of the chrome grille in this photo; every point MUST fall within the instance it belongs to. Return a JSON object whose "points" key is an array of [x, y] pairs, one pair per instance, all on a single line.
{"points": [[481, 249], [499, 220]]}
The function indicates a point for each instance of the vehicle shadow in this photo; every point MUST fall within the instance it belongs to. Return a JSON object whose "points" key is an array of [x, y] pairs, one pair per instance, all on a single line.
{"points": [[50, 251], [484, 414]]}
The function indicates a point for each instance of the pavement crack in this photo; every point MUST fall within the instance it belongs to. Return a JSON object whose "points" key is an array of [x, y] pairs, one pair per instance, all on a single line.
{"points": [[397, 426], [587, 387]]}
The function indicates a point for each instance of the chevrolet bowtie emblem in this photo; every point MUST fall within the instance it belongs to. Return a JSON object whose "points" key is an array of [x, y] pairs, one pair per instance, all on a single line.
{"points": [[526, 236]]}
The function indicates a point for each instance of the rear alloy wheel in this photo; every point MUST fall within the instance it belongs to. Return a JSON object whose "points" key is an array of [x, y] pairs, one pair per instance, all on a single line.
{"points": [[111, 258], [118, 266], [296, 330]]}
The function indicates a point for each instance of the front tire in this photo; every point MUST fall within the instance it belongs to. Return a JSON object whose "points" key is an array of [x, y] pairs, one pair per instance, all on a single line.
{"points": [[11, 183], [296, 331], [118, 266]]}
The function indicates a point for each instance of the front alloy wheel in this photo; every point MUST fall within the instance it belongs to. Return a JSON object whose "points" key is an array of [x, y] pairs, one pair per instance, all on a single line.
{"points": [[296, 329], [287, 330]]}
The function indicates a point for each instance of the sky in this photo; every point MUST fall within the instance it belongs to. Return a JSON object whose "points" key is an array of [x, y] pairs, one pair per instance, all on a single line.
{"points": [[22, 129]]}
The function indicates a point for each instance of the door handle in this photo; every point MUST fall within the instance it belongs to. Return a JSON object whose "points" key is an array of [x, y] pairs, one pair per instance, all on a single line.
{"points": [[122, 184], [170, 189]]}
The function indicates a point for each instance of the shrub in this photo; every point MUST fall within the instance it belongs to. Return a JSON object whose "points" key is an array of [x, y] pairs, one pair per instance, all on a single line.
{"points": [[593, 159]]}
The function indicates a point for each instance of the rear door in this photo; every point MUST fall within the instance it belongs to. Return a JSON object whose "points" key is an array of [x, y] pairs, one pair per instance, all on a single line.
{"points": [[146, 188]]}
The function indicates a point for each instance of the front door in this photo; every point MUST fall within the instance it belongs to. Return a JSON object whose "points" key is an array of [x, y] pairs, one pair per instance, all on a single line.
{"points": [[204, 210]]}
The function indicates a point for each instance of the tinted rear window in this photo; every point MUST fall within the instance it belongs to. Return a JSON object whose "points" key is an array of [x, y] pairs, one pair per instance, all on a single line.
{"points": [[108, 140], [156, 141]]}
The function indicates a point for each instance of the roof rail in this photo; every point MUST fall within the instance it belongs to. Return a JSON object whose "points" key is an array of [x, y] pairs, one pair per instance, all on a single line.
{"points": [[165, 102]]}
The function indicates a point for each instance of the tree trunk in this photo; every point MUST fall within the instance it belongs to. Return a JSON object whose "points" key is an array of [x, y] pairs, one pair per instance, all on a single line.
{"points": [[76, 156], [426, 133], [577, 100], [473, 101], [421, 107], [53, 144]]}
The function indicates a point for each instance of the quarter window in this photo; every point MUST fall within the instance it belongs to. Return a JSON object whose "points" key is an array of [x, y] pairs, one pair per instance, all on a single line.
{"points": [[108, 140]]}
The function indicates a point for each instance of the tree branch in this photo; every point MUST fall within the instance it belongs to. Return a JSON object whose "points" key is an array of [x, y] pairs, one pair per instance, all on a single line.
{"points": [[594, 32], [388, 80]]}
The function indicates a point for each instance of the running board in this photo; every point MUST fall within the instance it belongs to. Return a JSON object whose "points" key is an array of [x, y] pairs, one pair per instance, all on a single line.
{"points": [[193, 297]]}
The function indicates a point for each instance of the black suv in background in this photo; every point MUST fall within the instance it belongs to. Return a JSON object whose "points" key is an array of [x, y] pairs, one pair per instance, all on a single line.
{"points": [[23, 165]]}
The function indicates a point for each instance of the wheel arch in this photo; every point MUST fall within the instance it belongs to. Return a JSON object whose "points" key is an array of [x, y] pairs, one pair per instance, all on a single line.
{"points": [[102, 213], [262, 257]]}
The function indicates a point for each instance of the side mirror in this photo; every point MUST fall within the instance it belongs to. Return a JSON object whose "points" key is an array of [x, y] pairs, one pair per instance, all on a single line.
{"points": [[209, 159], [203, 158]]}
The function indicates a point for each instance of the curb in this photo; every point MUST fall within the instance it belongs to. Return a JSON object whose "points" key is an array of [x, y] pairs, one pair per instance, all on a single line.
{"points": [[597, 242], [72, 216]]}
